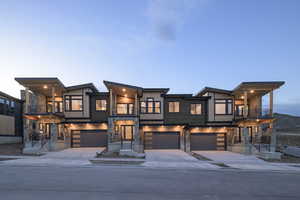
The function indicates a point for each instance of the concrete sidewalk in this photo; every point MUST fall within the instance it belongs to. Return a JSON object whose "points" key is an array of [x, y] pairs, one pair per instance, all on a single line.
{"points": [[67, 157], [240, 161]]}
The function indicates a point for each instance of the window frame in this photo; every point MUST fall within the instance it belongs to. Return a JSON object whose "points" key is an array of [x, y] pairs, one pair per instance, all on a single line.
{"points": [[227, 102], [105, 105], [150, 100], [174, 106], [127, 109], [70, 98], [195, 104]]}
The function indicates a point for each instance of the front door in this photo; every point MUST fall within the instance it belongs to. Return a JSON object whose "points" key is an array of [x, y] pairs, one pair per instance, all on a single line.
{"points": [[127, 132]]}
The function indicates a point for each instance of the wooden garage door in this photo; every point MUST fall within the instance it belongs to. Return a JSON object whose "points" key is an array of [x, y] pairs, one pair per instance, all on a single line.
{"points": [[208, 141], [162, 140], [89, 138]]}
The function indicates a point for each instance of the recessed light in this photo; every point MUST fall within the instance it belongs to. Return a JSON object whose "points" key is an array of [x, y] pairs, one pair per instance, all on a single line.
{"points": [[251, 91], [45, 87], [125, 95], [242, 97], [124, 90]]}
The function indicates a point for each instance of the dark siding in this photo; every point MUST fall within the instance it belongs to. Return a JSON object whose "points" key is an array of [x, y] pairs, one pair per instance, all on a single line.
{"points": [[184, 116], [99, 116], [16, 112]]}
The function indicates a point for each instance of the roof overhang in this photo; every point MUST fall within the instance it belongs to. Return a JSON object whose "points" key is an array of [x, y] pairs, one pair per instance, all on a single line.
{"points": [[215, 90], [123, 89], [257, 88], [43, 85]]}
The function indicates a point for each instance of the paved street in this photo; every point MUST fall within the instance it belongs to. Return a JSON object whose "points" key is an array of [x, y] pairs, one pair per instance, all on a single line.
{"points": [[122, 182]]}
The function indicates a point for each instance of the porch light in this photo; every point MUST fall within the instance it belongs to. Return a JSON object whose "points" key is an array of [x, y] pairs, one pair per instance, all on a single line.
{"points": [[257, 120], [242, 97], [251, 91], [45, 87], [124, 90]]}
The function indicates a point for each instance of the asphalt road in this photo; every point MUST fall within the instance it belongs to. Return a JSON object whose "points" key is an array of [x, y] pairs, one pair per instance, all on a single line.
{"points": [[120, 182]]}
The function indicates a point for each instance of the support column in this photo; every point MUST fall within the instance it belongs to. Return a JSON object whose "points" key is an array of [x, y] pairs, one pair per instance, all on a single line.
{"points": [[110, 102], [271, 104], [136, 104], [53, 99], [246, 110], [26, 121]]}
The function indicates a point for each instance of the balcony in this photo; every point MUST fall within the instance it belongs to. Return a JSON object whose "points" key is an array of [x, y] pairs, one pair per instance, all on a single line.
{"points": [[255, 113], [40, 110]]}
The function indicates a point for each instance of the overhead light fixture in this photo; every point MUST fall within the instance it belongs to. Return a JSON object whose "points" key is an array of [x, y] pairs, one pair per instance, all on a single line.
{"points": [[45, 87], [251, 91], [125, 95], [124, 90], [242, 97]]}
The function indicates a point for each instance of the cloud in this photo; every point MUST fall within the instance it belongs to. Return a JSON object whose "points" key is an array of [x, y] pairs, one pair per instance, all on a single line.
{"points": [[166, 16]]}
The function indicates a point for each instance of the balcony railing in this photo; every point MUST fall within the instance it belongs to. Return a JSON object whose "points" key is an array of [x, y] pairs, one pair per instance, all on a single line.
{"points": [[253, 113], [41, 108]]}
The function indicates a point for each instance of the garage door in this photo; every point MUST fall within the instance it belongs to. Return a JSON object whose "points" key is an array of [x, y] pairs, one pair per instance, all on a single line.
{"points": [[89, 138], [208, 141], [162, 140]]}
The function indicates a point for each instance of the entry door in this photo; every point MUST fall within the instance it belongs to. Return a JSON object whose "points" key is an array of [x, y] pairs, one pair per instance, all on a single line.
{"points": [[127, 132]]}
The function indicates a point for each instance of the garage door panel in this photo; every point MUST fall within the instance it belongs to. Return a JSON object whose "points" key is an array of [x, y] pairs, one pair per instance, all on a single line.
{"points": [[93, 138], [162, 140], [204, 141]]}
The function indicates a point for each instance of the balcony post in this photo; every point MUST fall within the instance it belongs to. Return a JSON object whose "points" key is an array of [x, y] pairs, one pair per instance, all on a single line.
{"points": [[110, 102], [245, 104], [53, 99], [271, 104], [136, 104]]}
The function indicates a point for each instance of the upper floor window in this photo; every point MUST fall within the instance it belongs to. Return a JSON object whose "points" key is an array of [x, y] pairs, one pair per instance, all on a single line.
{"points": [[12, 104], [223, 106], [101, 105], [73, 103], [150, 106], [174, 106], [196, 109], [239, 110], [125, 108], [2, 101]]}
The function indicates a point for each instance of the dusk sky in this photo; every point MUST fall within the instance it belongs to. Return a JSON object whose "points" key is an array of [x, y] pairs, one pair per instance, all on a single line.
{"points": [[181, 44]]}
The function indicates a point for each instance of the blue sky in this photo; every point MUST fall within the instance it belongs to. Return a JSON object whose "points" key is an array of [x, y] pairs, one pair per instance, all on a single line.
{"points": [[181, 44]]}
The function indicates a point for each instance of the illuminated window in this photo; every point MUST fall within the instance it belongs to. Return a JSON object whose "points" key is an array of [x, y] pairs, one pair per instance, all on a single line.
{"points": [[174, 106], [73, 103], [196, 109], [150, 106], [124, 108], [101, 105], [223, 106]]}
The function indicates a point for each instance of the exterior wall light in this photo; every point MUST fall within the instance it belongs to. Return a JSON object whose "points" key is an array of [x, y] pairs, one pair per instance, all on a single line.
{"points": [[124, 90], [45, 87], [251, 91]]}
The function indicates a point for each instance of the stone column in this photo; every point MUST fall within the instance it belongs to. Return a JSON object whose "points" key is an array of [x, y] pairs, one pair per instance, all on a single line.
{"points": [[53, 137], [53, 99], [246, 110], [187, 135], [136, 104], [271, 104], [136, 136], [245, 136], [110, 102]]}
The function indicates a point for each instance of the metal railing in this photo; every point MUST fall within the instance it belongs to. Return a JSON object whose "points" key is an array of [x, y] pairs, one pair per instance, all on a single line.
{"points": [[41, 108], [253, 113]]}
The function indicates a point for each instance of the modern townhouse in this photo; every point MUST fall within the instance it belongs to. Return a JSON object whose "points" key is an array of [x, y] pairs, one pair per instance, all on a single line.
{"points": [[11, 120], [131, 119]]}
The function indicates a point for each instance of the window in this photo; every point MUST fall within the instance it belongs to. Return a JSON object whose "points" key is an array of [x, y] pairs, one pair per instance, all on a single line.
{"points": [[196, 109], [125, 108], [101, 105], [12, 105], [174, 106], [73, 103], [150, 106], [2, 101], [223, 106], [239, 110]]}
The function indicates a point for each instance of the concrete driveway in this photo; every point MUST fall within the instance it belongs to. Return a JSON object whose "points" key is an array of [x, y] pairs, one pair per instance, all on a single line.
{"points": [[241, 161], [174, 159]]}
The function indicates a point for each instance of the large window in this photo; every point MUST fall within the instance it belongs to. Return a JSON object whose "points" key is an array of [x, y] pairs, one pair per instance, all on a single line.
{"points": [[223, 106], [58, 104], [174, 106], [101, 105], [150, 106], [125, 108], [196, 109], [73, 103]]}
